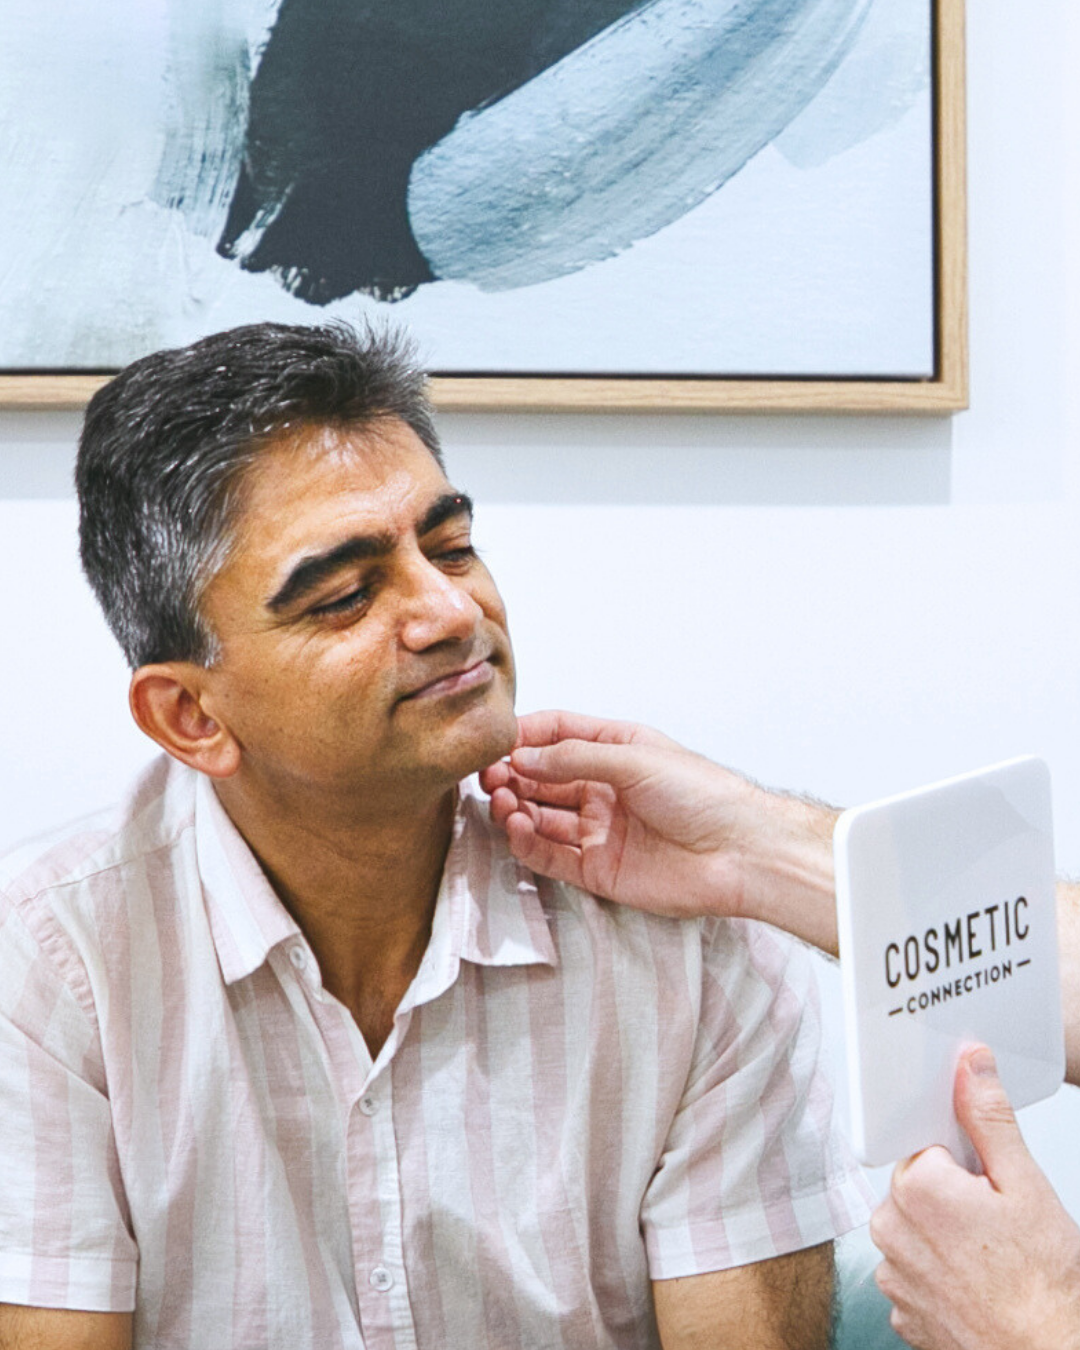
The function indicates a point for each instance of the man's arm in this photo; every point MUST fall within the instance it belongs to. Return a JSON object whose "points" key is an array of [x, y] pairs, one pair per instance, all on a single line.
{"points": [[55, 1329], [782, 1304], [63, 1221]]}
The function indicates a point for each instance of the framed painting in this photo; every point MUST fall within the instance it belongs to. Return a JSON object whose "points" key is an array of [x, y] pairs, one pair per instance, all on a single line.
{"points": [[572, 204]]}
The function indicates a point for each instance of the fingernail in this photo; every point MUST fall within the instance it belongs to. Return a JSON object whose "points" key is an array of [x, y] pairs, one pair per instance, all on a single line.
{"points": [[525, 757], [981, 1063]]}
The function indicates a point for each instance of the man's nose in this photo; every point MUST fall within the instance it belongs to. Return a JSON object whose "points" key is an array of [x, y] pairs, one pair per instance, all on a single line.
{"points": [[436, 608]]}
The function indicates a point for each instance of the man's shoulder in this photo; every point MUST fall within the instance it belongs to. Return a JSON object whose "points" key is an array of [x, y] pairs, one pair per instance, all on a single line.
{"points": [[154, 813], [700, 945], [70, 900]]}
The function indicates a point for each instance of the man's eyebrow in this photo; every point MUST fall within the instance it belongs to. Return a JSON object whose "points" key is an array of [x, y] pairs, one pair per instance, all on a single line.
{"points": [[448, 506], [311, 572]]}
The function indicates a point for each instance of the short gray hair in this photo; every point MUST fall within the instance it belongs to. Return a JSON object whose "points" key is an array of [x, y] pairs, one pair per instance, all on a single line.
{"points": [[165, 444]]}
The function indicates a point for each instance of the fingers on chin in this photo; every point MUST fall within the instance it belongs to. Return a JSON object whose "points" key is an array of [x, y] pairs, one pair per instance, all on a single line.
{"points": [[503, 802], [549, 727]]}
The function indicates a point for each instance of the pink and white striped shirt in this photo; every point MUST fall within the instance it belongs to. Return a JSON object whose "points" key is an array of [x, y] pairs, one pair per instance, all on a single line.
{"points": [[575, 1099]]}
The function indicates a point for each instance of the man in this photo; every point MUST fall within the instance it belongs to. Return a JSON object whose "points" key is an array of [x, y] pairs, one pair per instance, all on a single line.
{"points": [[971, 1263], [294, 1052]]}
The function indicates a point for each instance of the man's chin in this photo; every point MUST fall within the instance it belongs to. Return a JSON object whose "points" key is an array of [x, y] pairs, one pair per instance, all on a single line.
{"points": [[494, 738], [500, 747], [467, 740]]}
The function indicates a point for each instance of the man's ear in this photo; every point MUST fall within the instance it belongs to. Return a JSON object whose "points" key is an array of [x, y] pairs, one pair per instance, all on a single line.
{"points": [[167, 701]]}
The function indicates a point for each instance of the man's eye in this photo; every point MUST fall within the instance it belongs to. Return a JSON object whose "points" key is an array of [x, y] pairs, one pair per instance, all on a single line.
{"points": [[347, 603], [463, 553]]}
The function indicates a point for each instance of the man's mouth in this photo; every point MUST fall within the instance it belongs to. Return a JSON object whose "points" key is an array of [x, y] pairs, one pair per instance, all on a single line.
{"points": [[458, 681]]}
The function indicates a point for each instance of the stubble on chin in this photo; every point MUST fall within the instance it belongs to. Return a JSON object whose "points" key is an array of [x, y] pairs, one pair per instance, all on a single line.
{"points": [[503, 740], [497, 734]]}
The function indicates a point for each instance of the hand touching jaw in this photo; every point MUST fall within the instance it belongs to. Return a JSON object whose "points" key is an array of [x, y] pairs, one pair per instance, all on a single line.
{"points": [[623, 811]]}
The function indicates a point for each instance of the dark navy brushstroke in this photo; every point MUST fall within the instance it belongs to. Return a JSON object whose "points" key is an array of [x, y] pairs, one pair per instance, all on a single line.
{"points": [[346, 97]]}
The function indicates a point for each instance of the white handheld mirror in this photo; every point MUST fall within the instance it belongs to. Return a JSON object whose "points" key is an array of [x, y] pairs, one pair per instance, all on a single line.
{"points": [[948, 935]]}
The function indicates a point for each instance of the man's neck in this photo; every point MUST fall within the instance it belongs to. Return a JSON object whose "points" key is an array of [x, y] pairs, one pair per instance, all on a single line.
{"points": [[362, 889]]}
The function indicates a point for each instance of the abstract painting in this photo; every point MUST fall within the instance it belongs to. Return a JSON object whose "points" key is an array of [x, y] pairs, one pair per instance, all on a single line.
{"points": [[680, 189]]}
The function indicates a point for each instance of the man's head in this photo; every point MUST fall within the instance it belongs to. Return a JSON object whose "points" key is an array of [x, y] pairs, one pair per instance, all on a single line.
{"points": [[277, 547], [166, 443]]}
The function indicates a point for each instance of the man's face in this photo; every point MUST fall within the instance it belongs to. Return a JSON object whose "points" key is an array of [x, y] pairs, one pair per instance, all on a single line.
{"points": [[363, 644]]}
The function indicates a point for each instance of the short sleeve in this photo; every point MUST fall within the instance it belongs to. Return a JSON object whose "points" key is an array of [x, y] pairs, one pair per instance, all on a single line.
{"points": [[64, 1232], [755, 1164]]}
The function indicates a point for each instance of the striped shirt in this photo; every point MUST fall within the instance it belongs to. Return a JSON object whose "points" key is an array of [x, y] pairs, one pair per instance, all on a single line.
{"points": [[575, 1098]]}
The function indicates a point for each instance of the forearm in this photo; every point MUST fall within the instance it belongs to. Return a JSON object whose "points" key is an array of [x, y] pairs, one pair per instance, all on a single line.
{"points": [[23, 1328], [788, 865], [1068, 905], [780, 1304]]}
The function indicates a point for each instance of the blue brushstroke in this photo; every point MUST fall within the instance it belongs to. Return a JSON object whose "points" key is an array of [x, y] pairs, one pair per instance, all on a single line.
{"points": [[885, 74], [622, 136]]}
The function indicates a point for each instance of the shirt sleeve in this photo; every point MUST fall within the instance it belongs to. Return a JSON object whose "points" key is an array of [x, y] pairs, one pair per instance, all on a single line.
{"points": [[755, 1164], [65, 1239]]}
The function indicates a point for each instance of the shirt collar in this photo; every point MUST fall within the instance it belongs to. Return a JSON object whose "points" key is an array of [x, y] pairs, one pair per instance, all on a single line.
{"points": [[493, 897], [488, 910], [246, 917]]}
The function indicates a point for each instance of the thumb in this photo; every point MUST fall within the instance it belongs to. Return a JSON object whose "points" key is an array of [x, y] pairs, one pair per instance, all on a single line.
{"points": [[570, 761], [986, 1114]]}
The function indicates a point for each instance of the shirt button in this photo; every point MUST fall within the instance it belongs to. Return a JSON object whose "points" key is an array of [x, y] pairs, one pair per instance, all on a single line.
{"points": [[510, 876], [298, 957], [381, 1279], [368, 1105]]}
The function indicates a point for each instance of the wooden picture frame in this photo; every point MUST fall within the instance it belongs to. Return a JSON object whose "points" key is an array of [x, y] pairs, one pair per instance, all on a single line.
{"points": [[944, 392]]}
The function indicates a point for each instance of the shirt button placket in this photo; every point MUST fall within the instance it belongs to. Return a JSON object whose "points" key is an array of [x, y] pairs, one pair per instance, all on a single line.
{"points": [[375, 1205]]}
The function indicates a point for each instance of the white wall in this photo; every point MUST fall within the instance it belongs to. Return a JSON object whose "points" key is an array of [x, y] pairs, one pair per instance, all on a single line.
{"points": [[850, 606]]}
